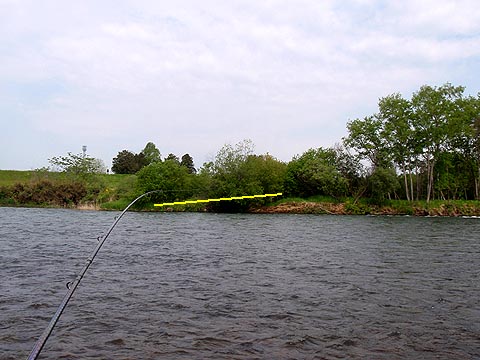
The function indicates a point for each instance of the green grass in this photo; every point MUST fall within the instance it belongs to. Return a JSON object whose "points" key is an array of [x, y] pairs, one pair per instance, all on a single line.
{"points": [[114, 180], [118, 205], [11, 177]]}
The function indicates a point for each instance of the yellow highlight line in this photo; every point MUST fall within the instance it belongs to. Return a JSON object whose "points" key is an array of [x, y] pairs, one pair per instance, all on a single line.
{"points": [[219, 199]]}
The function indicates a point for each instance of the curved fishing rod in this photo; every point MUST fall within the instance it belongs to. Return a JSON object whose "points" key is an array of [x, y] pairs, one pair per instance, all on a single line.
{"points": [[73, 286]]}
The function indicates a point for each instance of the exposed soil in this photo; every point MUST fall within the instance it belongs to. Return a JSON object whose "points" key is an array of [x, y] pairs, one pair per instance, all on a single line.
{"points": [[302, 208], [341, 209]]}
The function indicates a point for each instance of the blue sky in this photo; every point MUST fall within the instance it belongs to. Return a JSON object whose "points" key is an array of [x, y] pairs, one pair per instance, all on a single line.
{"points": [[192, 76]]}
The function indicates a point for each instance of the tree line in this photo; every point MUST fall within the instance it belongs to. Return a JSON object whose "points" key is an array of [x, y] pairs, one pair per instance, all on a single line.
{"points": [[431, 142], [128, 162], [423, 148]]}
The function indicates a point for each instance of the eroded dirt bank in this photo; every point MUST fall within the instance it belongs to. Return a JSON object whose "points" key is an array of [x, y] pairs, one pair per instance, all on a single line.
{"points": [[354, 209]]}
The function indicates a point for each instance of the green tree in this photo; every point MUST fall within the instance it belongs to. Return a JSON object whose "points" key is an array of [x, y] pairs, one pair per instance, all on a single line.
{"points": [[229, 175], [168, 176], [151, 153], [187, 161], [352, 169], [413, 134], [77, 164], [436, 118], [453, 178], [173, 157], [396, 114], [315, 173], [237, 171], [127, 162], [265, 173], [365, 137], [383, 182], [466, 140], [203, 181]]}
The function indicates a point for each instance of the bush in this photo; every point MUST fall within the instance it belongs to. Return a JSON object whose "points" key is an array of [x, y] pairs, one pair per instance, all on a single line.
{"points": [[46, 192], [356, 208]]}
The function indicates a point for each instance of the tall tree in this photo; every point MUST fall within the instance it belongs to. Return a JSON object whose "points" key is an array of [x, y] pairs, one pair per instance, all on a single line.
{"points": [[127, 162], [416, 133], [476, 149], [365, 137], [436, 111], [173, 157], [229, 176], [151, 153], [352, 169], [396, 114], [187, 161], [466, 139]]}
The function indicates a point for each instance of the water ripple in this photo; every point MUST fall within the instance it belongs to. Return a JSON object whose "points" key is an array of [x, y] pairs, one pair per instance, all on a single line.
{"points": [[196, 286]]}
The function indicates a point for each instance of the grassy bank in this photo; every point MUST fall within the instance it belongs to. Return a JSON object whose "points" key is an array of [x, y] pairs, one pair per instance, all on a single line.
{"points": [[12, 177], [40, 188]]}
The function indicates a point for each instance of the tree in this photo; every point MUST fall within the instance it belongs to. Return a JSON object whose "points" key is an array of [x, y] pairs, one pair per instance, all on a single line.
{"points": [[236, 171], [229, 174], [151, 154], [315, 173], [413, 134], [453, 178], [173, 157], [187, 161], [168, 176], [77, 164], [127, 162], [352, 170], [365, 137], [466, 139], [436, 112], [264, 173], [396, 113], [383, 182]]}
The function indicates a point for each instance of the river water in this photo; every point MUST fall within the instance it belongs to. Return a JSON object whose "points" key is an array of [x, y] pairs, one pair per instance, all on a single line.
{"points": [[240, 286]]}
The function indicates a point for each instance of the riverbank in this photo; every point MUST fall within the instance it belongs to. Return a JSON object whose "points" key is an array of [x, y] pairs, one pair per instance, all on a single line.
{"points": [[114, 192], [394, 207]]}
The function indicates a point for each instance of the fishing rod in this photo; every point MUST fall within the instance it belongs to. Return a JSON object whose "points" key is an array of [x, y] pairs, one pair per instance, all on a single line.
{"points": [[73, 286]]}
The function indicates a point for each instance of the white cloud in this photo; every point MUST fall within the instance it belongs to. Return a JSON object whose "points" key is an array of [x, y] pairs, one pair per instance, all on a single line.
{"points": [[196, 75]]}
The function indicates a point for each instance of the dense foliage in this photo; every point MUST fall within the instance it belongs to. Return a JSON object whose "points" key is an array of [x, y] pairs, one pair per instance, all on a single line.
{"points": [[426, 147], [127, 162], [45, 192], [432, 141]]}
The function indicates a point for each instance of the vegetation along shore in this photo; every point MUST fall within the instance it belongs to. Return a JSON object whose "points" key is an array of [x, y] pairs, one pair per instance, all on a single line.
{"points": [[418, 156]]}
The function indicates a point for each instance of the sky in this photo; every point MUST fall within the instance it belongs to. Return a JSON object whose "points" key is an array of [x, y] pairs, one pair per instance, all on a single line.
{"points": [[192, 76]]}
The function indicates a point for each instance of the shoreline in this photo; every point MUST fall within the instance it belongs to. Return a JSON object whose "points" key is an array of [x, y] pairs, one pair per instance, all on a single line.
{"points": [[439, 209], [445, 209]]}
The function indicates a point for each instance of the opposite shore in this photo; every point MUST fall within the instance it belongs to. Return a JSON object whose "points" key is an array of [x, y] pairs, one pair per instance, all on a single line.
{"points": [[45, 189], [421, 208]]}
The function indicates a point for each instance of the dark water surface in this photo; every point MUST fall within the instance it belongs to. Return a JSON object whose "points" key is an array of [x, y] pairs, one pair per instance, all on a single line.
{"points": [[218, 286]]}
